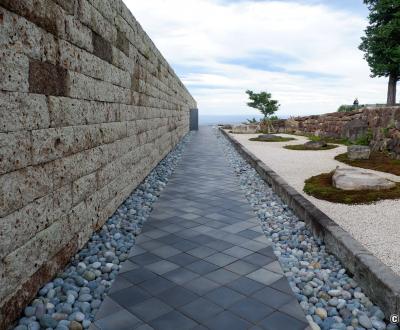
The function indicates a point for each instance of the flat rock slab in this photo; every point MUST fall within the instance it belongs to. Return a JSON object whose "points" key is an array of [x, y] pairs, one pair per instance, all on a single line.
{"points": [[357, 152], [355, 179], [315, 145], [267, 137]]}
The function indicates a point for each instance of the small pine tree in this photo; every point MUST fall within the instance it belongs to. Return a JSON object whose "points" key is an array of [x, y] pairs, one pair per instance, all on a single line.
{"points": [[263, 102], [381, 43]]}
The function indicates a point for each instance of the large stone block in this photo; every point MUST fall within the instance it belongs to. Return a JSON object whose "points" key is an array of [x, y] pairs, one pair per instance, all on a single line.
{"points": [[46, 78], [84, 87], [15, 151], [78, 34], [21, 111], [14, 71], [21, 187]]}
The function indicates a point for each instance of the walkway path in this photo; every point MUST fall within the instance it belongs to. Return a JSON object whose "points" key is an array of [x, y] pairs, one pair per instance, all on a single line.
{"points": [[202, 260]]}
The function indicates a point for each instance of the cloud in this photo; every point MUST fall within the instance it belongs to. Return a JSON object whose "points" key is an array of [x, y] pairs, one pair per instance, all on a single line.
{"points": [[303, 52]]}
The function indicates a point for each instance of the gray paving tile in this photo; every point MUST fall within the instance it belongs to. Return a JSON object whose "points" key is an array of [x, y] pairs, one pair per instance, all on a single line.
{"points": [[139, 275], [241, 267], [273, 298], [222, 276], [279, 321], [224, 296], [258, 259], [107, 308], [183, 259], [122, 320], [220, 259], [173, 321], [178, 296], [161, 267], [228, 320], [202, 267], [201, 310], [150, 309], [166, 251], [201, 285], [157, 285], [129, 296], [145, 258], [245, 285], [293, 309], [264, 276], [180, 275], [251, 310], [238, 252], [201, 252]]}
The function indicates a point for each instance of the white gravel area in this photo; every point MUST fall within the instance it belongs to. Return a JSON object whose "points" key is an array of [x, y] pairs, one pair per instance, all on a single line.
{"points": [[376, 226]]}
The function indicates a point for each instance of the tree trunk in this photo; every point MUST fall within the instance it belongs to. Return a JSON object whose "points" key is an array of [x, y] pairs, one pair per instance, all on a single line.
{"points": [[391, 96]]}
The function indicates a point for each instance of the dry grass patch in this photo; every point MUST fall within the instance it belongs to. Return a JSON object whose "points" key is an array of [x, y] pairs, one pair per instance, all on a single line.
{"points": [[303, 147], [378, 161]]}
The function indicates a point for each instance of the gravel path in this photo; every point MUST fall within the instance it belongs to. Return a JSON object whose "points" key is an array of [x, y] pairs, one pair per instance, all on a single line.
{"points": [[72, 299], [376, 225], [330, 298]]}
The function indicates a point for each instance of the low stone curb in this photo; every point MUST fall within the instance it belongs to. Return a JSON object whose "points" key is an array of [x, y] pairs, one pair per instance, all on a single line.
{"points": [[377, 280]]}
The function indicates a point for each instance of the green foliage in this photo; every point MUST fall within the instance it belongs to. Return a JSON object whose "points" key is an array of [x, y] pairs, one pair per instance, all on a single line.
{"points": [[276, 139], [315, 138], [252, 121], [365, 139], [347, 108], [263, 102], [274, 117], [381, 43]]}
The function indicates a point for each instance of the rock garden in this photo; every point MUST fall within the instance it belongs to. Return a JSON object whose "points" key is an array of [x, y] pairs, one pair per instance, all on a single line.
{"points": [[330, 298], [370, 215]]}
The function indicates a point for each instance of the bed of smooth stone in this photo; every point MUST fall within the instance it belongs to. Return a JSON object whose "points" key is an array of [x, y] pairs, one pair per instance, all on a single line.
{"points": [[330, 298], [72, 299]]}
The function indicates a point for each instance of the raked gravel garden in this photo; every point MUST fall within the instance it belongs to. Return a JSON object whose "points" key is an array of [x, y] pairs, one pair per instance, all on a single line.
{"points": [[329, 297]]}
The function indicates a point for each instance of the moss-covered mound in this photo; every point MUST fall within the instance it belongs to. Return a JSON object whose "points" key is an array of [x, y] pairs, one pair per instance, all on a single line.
{"points": [[378, 161], [304, 147], [276, 139], [320, 187]]}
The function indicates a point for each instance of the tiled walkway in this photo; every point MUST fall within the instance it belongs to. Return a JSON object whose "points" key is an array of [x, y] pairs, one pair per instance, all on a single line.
{"points": [[202, 260]]}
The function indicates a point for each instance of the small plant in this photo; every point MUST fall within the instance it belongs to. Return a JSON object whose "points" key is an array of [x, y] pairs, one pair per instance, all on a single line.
{"points": [[365, 139], [252, 121]]}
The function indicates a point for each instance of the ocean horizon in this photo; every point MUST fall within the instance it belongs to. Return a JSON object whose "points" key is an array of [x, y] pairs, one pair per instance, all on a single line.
{"points": [[221, 119]]}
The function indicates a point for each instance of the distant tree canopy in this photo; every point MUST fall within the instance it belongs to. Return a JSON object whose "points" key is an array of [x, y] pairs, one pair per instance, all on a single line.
{"points": [[381, 43], [263, 102]]}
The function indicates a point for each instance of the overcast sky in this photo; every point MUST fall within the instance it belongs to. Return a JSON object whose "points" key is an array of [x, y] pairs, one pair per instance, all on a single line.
{"points": [[304, 52]]}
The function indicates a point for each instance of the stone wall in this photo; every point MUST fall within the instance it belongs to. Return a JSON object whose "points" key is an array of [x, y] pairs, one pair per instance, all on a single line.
{"points": [[381, 124], [88, 106]]}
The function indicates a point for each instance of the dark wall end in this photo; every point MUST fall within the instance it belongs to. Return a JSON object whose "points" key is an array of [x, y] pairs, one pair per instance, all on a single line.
{"points": [[194, 119]]}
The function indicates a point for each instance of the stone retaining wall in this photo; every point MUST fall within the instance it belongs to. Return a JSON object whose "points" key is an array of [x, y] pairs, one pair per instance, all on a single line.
{"points": [[381, 124], [88, 106]]}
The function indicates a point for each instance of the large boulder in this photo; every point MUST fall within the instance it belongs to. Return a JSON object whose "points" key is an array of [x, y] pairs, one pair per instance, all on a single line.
{"points": [[315, 145], [245, 129], [355, 179], [357, 152]]}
